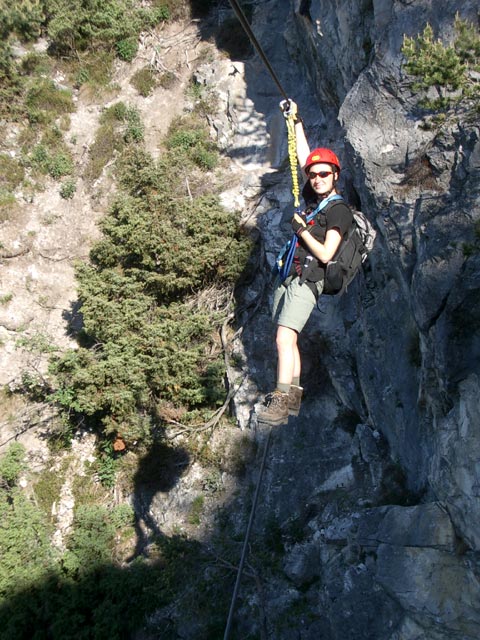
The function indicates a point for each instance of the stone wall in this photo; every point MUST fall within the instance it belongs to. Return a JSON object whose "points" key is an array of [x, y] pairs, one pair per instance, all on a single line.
{"points": [[381, 466]]}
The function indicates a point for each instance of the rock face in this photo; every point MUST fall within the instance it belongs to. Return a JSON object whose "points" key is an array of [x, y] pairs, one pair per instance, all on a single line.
{"points": [[381, 469], [371, 495]]}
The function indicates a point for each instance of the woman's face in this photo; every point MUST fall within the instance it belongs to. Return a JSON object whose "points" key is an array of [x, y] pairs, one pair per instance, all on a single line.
{"points": [[322, 178]]}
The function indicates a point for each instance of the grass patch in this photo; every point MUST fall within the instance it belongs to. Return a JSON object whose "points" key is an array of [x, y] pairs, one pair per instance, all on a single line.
{"points": [[44, 102], [144, 80], [119, 126], [196, 510], [48, 486], [12, 173]]}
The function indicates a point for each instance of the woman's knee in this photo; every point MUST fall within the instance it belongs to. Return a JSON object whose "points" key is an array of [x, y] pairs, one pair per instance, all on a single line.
{"points": [[286, 338]]}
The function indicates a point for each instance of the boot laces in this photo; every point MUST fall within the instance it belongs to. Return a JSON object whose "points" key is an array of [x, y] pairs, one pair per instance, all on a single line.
{"points": [[274, 398]]}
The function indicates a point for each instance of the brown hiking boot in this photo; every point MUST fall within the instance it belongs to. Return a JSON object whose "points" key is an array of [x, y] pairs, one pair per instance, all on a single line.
{"points": [[294, 400], [276, 408]]}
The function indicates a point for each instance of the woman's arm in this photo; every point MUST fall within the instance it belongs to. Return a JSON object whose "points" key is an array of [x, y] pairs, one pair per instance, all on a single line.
{"points": [[322, 251]]}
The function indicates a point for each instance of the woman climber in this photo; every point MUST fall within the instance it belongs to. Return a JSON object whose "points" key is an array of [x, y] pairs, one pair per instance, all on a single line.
{"points": [[317, 241]]}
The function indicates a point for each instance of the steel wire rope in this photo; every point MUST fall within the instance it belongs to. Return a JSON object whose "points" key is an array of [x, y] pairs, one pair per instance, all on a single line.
{"points": [[245, 542], [291, 117], [244, 22], [291, 147]]}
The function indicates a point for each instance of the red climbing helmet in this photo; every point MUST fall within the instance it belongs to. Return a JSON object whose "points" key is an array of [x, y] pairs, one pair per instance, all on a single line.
{"points": [[321, 155]]}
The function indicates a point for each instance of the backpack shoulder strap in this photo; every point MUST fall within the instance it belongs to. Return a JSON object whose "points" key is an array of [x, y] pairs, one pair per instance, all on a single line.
{"points": [[322, 205]]}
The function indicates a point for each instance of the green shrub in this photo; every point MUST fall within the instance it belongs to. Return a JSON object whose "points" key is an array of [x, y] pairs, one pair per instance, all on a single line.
{"points": [[190, 142], [157, 250], [56, 164], [467, 43], [68, 189], [127, 49], [135, 129], [444, 67], [12, 172], [7, 205], [119, 126], [91, 544], [122, 515], [107, 142], [24, 18], [433, 63], [59, 165], [36, 64], [196, 510], [24, 544], [44, 101], [12, 463], [82, 25], [144, 81], [93, 68]]}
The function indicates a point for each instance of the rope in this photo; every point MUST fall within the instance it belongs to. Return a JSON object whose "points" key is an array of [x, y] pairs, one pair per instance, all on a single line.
{"points": [[245, 542], [292, 156], [292, 151], [241, 16]]}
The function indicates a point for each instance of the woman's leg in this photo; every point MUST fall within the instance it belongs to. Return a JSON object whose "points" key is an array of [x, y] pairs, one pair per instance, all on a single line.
{"points": [[288, 356]]}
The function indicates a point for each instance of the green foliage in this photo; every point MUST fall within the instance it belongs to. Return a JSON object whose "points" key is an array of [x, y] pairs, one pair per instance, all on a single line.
{"points": [[196, 510], [12, 463], [94, 69], [56, 164], [23, 18], [144, 81], [189, 139], [109, 602], [444, 67], [43, 146], [44, 102], [24, 544], [82, 25], [122, 515], [119, 126], [467, 44], [145, 343], [91, 543], [107, 465], [68, 189], [432, 62], [35, 64], [47, 489], [127, 49], [12, 172]]}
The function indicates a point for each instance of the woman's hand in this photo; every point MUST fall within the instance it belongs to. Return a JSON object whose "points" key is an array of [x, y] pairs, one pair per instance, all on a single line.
{"points": [[299, 224]]}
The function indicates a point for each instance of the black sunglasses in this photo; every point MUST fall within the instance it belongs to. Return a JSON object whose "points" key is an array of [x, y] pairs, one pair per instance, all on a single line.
{"points": [[322, 174]]}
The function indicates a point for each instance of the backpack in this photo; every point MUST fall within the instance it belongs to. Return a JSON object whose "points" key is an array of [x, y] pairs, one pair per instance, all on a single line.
{"points": [[350, 255], [283, 263]]}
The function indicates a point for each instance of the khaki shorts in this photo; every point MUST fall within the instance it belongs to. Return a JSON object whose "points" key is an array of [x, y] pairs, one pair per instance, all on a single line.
{"points": [[293, 303]]}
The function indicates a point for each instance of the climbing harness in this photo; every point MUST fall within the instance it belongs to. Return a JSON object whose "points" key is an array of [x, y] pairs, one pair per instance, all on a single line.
{"points": [[284, 259], [245, 542]]}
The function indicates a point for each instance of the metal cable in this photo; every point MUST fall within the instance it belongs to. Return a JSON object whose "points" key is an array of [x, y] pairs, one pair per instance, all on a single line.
{"points": [[290, 120], [241, 16], [245, 542]]}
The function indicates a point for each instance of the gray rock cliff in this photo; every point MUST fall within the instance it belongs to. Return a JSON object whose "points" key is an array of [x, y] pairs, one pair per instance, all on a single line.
{"points": [[382, 466]]}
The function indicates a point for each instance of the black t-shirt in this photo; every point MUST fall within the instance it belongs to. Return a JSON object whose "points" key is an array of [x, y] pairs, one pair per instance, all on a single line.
{"points": [[338, 216], [335, 216]]}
